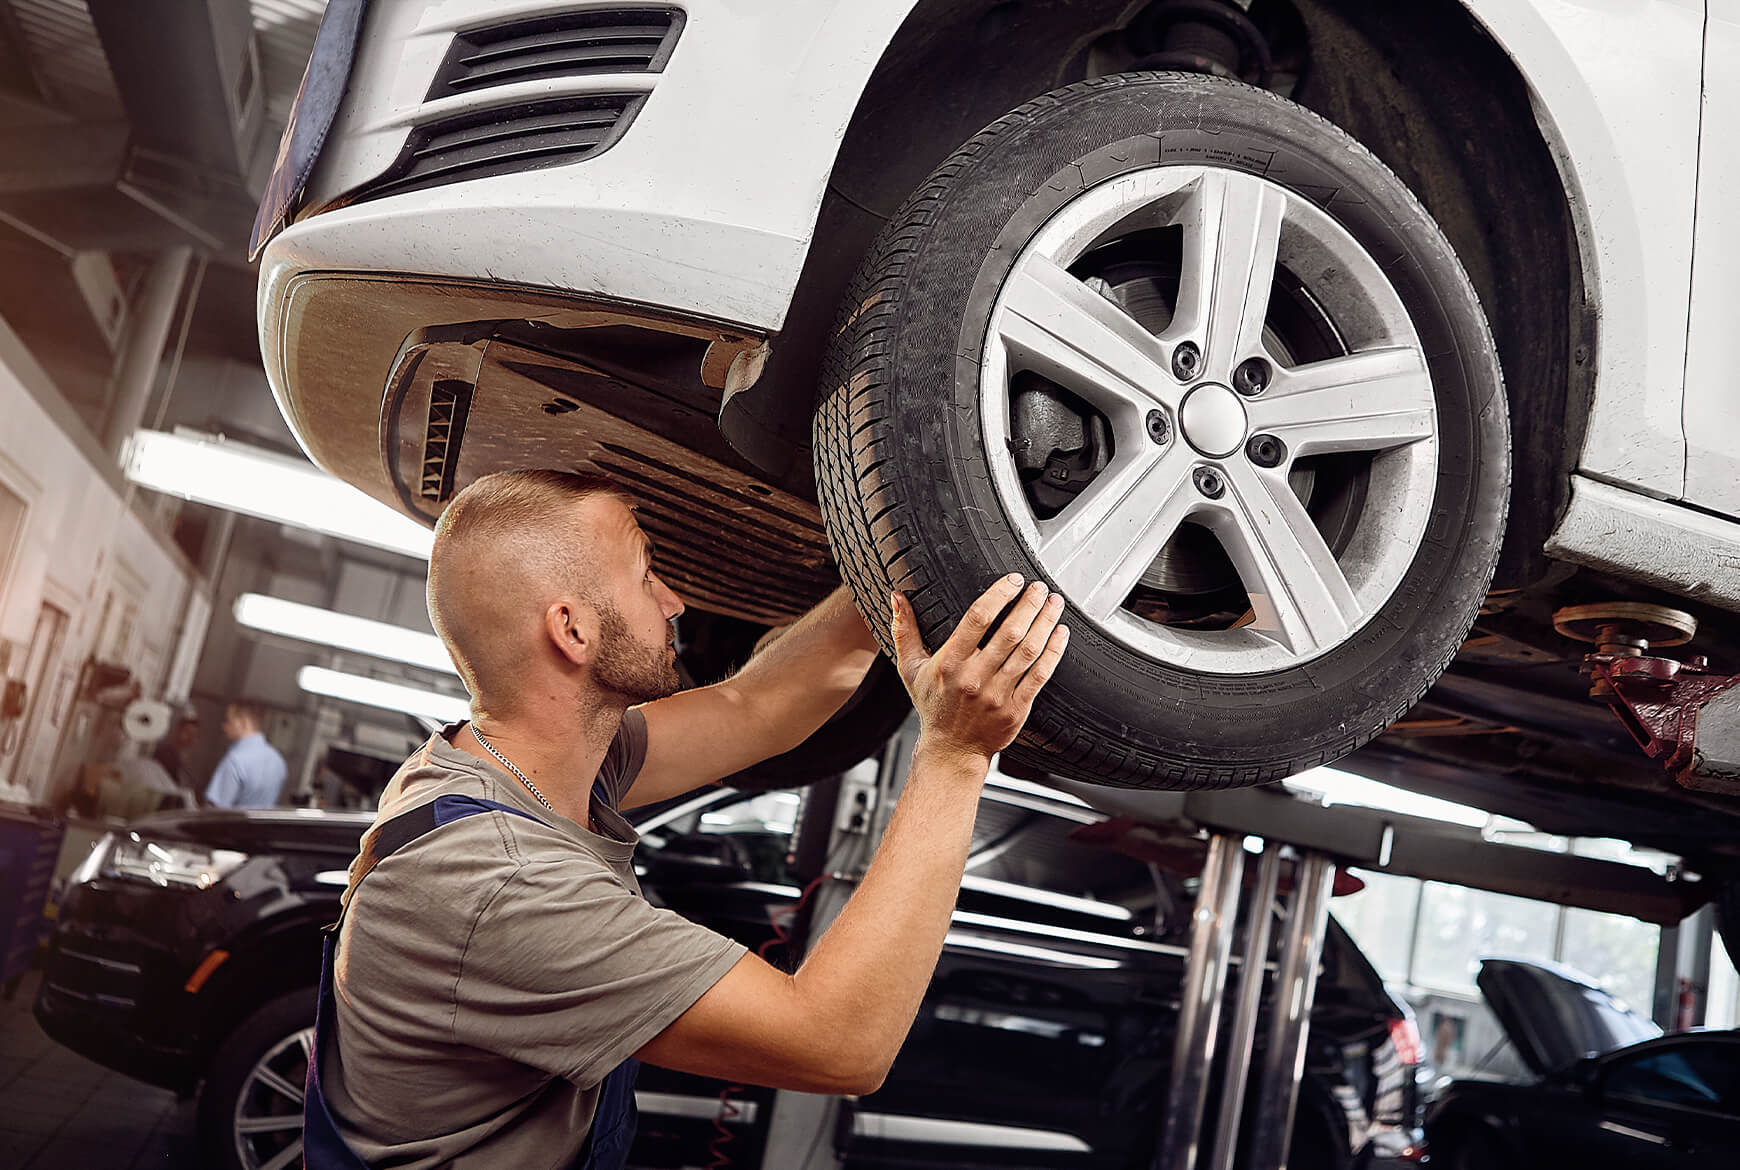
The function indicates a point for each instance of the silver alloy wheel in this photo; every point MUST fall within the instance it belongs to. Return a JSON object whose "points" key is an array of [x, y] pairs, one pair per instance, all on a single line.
{"points": [[1238, 231], [268, 1119]]}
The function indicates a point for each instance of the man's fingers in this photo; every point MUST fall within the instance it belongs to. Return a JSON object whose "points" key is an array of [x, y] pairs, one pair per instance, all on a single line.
{"points": [[979, 616], [1014, 626], [1032, 644], [909, 649], [1040, 672]]}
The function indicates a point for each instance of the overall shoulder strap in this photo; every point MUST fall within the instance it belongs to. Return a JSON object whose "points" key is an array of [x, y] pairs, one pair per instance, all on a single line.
{"points": [[393, 835]]}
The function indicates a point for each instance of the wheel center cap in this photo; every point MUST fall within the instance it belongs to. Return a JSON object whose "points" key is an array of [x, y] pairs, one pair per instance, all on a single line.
{"points": [[1212, 419]]}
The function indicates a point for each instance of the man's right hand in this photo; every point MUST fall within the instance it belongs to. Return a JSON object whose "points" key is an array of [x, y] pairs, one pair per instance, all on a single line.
{"points": [[974, 699]]}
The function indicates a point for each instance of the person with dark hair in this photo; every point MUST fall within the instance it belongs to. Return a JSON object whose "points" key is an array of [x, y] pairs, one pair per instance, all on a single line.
{"points": [[251, 774], [173, 749], [495, 974]]}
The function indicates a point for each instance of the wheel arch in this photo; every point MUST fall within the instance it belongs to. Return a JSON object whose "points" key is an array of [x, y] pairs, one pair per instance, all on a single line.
{"points": [[1505, 209], [269, 960]]}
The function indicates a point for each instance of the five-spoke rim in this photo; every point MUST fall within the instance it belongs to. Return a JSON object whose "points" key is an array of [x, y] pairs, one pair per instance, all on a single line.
{"points": [[268, 1118], [1225, 461]]}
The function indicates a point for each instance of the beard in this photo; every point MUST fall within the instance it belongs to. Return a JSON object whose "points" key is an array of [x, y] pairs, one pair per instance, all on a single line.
{"points": [[638, 672]]}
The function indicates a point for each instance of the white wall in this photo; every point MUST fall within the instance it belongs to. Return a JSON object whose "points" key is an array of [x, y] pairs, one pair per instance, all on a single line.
{"points": [[82, 549]]}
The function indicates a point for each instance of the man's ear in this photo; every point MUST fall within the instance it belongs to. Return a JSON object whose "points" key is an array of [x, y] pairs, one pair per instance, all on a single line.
{"points": [[569, 626]]}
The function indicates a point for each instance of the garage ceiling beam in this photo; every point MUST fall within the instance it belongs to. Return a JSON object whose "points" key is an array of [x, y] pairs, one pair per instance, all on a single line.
{"points": [[93, 188]]}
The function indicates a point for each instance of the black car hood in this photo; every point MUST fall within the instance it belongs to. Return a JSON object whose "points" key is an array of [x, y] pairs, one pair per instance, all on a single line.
{"points": [[1555, 1016], [260, 830]]}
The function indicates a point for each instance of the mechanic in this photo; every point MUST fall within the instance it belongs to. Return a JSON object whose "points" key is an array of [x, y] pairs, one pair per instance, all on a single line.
{"points": [[498, 973], [251, 774]]}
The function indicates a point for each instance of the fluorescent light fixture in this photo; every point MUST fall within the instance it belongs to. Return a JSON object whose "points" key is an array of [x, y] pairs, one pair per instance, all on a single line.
{"points": [[374, 692], [307, 623], [1021, 926], [973, 942], [255, 482], [1041, 897]]}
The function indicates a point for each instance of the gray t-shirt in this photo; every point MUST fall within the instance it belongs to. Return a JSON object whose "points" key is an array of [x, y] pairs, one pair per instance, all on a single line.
{"points": [[491, 973]]}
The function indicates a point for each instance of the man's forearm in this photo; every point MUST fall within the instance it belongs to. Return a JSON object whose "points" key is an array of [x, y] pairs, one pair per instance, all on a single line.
{"points": [[865, 979], [803, 676]]}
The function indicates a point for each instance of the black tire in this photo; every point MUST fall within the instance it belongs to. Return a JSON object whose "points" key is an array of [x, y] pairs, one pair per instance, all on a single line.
{"points": [[1472, 1148], [857, 731], [268, 1027], [909, 502]]}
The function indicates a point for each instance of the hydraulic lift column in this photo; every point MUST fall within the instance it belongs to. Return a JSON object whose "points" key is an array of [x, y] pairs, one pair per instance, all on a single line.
{"points": [[1295, 988], [1290, 1019], [1211, 931]]}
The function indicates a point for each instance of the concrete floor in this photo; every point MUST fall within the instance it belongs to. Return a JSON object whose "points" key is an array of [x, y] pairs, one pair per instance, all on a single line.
{"points": [[59, 1111]]}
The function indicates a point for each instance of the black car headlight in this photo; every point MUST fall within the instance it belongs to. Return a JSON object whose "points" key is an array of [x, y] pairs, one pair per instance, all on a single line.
{"points": [[131, 857]]}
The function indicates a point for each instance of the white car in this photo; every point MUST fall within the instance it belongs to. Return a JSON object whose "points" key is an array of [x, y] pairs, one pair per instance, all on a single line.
{"points": [[1239, 323]]}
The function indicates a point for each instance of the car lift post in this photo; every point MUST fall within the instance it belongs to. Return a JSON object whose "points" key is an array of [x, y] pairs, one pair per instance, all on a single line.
{"points": [[1211, 931], [1295, 988], [805, 1130], [1290, 1020], [1244, 1030]]}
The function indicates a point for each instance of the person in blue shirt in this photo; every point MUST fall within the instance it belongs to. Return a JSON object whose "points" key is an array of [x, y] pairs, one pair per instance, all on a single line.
{"points": [[251, 774]]}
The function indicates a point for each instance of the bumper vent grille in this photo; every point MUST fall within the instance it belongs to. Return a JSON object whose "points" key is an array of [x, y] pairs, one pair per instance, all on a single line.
{"points": [[449, 405], [509, 139], [571, 44]]}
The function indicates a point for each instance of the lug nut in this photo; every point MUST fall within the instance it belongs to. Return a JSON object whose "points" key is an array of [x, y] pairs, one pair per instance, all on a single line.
{"points": [[1252, 376], [1157, 428], [1266, 450], [1209, 482], [1186, 361]]}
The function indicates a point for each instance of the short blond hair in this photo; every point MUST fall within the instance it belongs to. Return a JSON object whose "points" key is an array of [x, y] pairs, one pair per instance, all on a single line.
{"points": [[511, 521]]}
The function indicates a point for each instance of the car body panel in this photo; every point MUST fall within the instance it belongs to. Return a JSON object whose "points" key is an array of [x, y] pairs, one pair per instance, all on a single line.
{"points": [[1614, 84], [1712, 409], [1554, 1016], [1584, 1116], [1607, 1089]]}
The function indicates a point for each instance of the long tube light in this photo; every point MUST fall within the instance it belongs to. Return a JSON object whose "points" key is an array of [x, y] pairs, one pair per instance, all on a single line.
{"points": [[374, 692], [255, 482], [324, 627]]}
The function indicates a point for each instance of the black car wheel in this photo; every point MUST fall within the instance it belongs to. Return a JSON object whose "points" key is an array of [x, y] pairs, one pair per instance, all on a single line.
{"points": [[1469, 1149], [250, 1110], [1194, 357]]}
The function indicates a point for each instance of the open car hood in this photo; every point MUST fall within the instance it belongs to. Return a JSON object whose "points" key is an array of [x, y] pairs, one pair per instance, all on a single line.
{"points": [[1555, 1016]]}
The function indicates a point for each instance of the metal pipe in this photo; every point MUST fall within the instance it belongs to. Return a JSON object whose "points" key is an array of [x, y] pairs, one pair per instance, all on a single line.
{"points": [[1290, 1023], [1244, 1030], [1199, 1012], [149, 321]]}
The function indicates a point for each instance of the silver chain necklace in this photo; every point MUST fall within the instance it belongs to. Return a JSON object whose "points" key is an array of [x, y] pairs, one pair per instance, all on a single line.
{"points": [[509, 765]]}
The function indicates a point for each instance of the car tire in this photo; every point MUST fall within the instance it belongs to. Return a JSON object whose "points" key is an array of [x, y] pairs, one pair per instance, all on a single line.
{"points": [[858, 730], [916, 496], [1470, 1149], [251, 1076]]}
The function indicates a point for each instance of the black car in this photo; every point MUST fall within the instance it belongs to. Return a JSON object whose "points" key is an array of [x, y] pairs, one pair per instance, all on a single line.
{"points": [[1584, 1081], [187, 951]]}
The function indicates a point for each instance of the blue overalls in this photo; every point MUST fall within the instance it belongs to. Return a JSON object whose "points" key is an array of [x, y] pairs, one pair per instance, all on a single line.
{"points": [[323, 1147]]}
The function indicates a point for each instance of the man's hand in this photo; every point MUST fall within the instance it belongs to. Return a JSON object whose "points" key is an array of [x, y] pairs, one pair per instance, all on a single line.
{"points": [[974, 699]]}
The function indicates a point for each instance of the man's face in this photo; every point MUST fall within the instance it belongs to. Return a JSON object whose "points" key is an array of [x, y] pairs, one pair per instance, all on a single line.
{"points": [[637, 657], [236, 724], [186, 735]]}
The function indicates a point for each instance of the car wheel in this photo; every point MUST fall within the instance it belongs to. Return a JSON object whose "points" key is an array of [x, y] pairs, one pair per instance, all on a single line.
{"points": [[1194, 357], [1470, 1149], [250, 1109]]}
